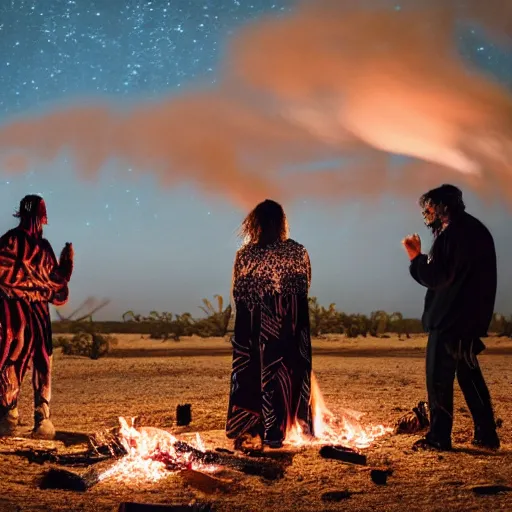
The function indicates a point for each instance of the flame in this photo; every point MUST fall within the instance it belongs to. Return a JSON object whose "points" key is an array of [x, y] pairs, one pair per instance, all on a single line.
{"points": [[151, 455], [328, 428]]}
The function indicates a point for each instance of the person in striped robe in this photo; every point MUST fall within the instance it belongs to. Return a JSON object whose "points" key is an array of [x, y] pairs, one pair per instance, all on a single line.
{"points": [[31, 278], [271, 370]]}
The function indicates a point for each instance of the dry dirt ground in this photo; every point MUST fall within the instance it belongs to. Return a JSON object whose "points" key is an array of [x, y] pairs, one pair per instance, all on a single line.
{"points": [[382, 378]]}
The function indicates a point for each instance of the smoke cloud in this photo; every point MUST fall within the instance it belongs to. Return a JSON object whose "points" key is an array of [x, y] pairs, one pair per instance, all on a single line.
{"points": [[332, 84]]}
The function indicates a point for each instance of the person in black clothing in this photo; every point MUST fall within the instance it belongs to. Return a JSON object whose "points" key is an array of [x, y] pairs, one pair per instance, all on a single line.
{"points": [[461, 277]]}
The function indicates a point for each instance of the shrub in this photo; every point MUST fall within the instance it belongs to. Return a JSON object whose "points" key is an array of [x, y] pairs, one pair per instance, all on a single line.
{"points": [[87, 344]]}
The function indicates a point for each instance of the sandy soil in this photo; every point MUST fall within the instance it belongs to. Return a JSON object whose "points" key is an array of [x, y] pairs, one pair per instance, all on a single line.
{"points": [[382, 378]]}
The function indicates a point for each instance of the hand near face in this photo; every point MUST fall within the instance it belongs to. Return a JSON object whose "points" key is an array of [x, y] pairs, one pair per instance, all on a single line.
{"points": [[67, 252], [66, 261], [412, 244]]}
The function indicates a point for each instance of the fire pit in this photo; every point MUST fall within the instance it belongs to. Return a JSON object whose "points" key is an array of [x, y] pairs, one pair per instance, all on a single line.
{"points": [[150, 454]]}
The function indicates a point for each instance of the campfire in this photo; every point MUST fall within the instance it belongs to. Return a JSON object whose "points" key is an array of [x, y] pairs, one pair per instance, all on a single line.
{"points": [[329, 429], [151, 453], [147, 454]]}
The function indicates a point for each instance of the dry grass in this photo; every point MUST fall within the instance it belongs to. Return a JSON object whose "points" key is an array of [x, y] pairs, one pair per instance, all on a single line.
{"points": [[383, 378]]}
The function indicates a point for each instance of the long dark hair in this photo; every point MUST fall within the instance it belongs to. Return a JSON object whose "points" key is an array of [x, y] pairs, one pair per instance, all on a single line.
{"points": [[447, 202], [265, 224]]}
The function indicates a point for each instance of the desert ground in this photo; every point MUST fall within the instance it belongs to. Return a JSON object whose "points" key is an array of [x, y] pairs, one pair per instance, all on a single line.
{"points": [[384, 378]]}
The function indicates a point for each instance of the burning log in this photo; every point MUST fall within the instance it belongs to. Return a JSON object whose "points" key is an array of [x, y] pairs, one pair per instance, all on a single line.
{"points": [[343, 453], [107, 442], [56, 478], [267, 469], [257, 466], [85, 458]]}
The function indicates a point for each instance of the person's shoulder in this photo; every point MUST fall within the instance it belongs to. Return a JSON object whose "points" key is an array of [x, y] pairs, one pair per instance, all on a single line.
{"points": [[476, 225], [294, 245], [244, 250], [46, 245], [12, 233]]}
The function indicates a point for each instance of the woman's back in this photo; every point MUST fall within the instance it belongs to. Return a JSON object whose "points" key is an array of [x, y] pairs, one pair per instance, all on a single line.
{"points": [[282, 267]]}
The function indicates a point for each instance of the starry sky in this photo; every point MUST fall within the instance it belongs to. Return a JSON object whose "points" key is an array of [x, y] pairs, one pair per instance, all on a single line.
{"points": [[146, 247]]}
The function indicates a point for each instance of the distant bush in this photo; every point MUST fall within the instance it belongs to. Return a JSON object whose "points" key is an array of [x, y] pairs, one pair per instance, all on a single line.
{"points": [[164, 326], [87, 344], [218, 322], [59, 341]]}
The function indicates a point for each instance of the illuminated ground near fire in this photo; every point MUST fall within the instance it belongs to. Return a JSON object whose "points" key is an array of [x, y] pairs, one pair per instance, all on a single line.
{"points": [[382, 378]]}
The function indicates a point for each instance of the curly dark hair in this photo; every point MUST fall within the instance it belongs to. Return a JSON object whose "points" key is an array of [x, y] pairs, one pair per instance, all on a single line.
{"points": [[449, 197], [265, 224], [446, 202]]}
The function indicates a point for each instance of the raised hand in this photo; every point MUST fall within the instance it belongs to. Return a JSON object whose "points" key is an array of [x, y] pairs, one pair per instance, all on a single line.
{"points": [[66, 260], [412, 245], [67, 252]]}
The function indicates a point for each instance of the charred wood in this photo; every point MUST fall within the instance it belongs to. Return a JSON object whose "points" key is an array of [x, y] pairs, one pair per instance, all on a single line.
{"points": [[250, 466], [343, 453]]}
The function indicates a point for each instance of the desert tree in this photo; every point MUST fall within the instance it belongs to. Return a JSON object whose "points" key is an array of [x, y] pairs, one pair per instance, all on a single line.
{"points": [[396, 323], [379, 321]]}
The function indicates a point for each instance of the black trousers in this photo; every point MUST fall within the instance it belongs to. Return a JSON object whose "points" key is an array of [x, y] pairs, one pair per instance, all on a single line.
{"points": [[448, 356]]}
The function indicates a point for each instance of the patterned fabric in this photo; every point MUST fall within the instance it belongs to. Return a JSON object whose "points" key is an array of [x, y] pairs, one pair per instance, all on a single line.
{"points": [[26, 337], [30, 278], [271, 371], [29, 269], [279, 268]]}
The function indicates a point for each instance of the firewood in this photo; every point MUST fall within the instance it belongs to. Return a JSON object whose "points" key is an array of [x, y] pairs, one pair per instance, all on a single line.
{"points": [[336, 495], [343, 453], [250, 466], [85, 458], [56, 478], [63, 479], [206, 483], [491, 489], [111, 449], [107, 442]]}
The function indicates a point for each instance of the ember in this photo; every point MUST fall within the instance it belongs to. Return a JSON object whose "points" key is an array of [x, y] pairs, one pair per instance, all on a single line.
{"points": [[328, 429]]}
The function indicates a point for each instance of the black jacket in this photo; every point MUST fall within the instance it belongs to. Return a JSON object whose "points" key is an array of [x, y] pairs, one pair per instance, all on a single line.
{"points": [[461, 279]]}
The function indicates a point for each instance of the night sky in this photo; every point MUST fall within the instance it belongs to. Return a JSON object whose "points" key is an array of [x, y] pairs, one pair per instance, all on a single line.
{"points": [[148, 247]]}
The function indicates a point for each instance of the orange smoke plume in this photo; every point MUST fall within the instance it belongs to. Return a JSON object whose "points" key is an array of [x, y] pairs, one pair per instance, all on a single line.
{"points": [[330, 83]]}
